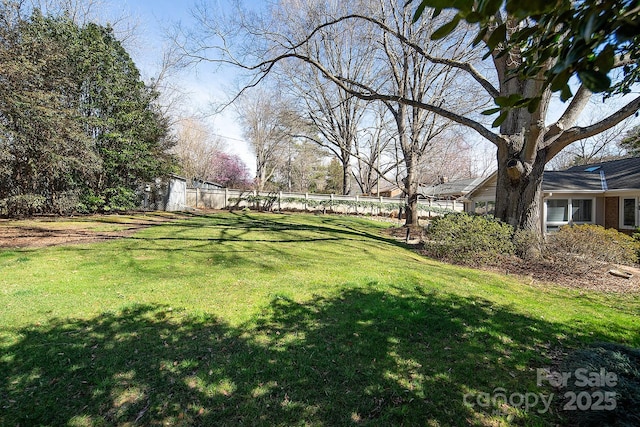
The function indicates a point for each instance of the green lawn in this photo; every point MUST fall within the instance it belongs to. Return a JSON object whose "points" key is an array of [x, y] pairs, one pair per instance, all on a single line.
{"points": [[261, 319]]}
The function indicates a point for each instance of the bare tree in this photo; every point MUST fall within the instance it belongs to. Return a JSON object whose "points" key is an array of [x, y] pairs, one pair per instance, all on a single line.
{"points": [[450, 157], [336, 114], [601, 147], [303, 170], [196, 148], [374, 153], [412, 75], [266, 119], [525, 141]]}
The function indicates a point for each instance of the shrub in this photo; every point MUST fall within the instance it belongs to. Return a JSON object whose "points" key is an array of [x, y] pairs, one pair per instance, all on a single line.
{"points": [[584, 244], [120, 199], [91, 203], [465, 238], [65, 203], [616, 359], [23, 205]]}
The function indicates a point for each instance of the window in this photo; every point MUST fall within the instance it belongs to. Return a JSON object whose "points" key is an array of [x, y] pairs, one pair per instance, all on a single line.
{"points": [[557, 210], [629, 212], [581, 210], [564, 211], [485, 208]]}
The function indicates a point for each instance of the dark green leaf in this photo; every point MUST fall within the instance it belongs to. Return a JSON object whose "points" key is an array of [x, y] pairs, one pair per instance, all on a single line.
{"points": [[595, 81], [501, 118], [480, 36], [419, 11], [534, 103], [446, 29], [508, 101], [499, 35], [522, 9], [560, 80], [565, 93], [628, 31], [502, 101], [435, 4], [491, 111], [473, 18], [587, 26], [489, 8], [606, 59]]}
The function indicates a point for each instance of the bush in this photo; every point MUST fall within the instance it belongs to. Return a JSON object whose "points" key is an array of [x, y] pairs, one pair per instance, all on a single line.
{"points": [[616, 359], [465, 238], [584, 244], [65, 203], [636, 237], [23, 205], [120, 199], [91, 203]]}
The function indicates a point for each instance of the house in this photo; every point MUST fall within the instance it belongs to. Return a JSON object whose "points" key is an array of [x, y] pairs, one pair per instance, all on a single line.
{"points": [[450, 190], [389, 190], [604, 193]]}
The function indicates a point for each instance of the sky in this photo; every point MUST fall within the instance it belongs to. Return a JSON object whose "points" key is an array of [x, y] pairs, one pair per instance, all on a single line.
{"points": [[203, 87]]}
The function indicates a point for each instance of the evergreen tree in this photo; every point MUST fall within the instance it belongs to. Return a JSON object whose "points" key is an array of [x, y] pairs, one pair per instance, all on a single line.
{"points": [[44, 150], [78, 127], [119, 113]]}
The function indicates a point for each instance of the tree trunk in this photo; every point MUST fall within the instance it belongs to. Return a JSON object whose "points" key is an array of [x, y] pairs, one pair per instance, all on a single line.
{"points": [[411, 192], [519, 191], [346, 177]]}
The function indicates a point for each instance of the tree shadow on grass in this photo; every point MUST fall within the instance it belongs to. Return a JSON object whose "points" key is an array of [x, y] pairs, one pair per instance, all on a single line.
{"points": [[237, 227], [361, 357]]}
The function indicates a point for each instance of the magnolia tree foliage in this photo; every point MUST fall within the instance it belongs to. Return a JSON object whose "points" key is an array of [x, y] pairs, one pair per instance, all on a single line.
{"points": [[78, 127], [587, 39]]}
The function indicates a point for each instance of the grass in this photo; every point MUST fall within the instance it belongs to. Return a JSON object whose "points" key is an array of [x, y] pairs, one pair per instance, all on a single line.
{"points": [[278, 320]]}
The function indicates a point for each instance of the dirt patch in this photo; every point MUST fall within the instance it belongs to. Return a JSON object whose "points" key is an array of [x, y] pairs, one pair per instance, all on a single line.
{"points": [[596, 277], [53, 231]]}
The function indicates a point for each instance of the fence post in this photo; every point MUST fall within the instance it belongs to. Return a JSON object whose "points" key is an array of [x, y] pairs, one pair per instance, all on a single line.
{"points": [[306, 197], [226, 198], [279, 201]]}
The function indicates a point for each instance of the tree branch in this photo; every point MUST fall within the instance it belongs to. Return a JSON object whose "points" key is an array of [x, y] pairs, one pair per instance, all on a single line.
{"points": [[464, 66], [577, 133], [371, 95], [571, 114]]}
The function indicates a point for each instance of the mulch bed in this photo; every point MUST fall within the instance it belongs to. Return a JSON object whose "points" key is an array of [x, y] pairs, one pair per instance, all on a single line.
{"points": [[592, 277]]}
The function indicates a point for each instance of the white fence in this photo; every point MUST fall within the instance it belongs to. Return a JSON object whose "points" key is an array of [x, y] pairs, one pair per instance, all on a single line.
{"points": [[237, 199]]}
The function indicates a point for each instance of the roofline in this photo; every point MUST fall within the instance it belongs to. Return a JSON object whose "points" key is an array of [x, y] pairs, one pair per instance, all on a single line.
{"points": [[602, 192], [574, 191], [481, 183]]}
